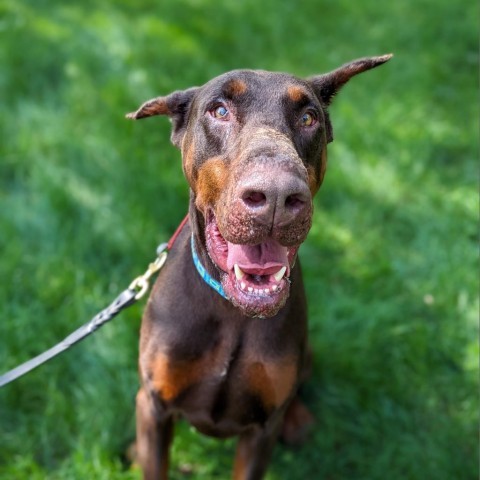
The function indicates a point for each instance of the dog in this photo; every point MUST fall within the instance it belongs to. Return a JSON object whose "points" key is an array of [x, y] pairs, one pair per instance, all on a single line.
{"points": [[223, 341]]}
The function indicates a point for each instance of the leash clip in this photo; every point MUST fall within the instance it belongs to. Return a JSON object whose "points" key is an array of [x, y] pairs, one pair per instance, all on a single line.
{"points": [[141, 283]]}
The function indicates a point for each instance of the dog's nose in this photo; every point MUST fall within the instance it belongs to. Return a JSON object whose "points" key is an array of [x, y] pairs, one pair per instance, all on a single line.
{"points": [[274, 198]]}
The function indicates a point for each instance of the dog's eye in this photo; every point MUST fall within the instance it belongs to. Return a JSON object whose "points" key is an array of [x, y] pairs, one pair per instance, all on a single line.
{"points": [[308, 119], [221, 112]]}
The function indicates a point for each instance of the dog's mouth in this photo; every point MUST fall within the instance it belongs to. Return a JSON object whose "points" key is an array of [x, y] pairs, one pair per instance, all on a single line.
{"points": [[255, 278]]}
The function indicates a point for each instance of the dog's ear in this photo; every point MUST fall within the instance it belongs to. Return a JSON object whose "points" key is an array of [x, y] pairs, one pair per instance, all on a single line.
{"points": [[176, 106], [326, 86]]}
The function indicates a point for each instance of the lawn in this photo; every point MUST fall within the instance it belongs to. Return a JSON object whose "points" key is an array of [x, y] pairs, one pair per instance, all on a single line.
{"points": [[391, 263]]}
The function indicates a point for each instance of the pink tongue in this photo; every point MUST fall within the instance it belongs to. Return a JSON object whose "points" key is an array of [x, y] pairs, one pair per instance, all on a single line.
{"points": [[262, 259]]}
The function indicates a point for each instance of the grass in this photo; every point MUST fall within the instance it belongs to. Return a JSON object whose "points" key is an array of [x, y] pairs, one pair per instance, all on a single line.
{"points": [[390, 264]]}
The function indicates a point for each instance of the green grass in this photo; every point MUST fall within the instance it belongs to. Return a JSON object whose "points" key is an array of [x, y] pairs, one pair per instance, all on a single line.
{"points": [[390, 264]]}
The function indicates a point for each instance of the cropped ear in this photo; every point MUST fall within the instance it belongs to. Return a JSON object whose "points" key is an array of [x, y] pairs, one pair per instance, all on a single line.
{"points": [[326, 86], [176, 106]]}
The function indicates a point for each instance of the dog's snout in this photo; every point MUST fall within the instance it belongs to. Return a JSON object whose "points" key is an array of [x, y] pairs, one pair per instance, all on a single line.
{"points": [[275, 198]]}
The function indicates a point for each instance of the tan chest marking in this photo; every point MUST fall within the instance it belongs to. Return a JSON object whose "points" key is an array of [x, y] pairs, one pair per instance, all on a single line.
{"points": [[170, 379], [273, 381]]}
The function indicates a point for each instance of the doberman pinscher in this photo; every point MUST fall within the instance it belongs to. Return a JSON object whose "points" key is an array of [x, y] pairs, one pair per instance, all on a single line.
{"points": [[224, 335]]}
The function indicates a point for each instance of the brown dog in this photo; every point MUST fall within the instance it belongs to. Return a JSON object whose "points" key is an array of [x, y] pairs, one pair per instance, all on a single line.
{"points": [[224, 336]]}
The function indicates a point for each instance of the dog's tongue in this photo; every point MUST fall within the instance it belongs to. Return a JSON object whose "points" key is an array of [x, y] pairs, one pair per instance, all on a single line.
{"points": [[262, 259]]}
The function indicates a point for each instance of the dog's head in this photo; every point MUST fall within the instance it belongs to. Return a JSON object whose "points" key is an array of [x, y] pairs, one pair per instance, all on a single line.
{"points": [[254, 148]]}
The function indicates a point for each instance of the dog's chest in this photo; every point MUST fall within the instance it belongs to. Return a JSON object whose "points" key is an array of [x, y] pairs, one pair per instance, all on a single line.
{"points": [[232, 380]]}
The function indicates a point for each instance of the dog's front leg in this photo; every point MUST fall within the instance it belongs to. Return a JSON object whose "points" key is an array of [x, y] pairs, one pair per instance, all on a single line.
{"points": [[254, 451], [154, 436]]}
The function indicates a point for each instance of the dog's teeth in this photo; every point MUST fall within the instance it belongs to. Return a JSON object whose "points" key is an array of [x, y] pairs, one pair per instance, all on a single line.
{"points": [[279, 275], [238, 272], [250, 289], [274, 287], [267, 291], [243, 285], [256, 291]]}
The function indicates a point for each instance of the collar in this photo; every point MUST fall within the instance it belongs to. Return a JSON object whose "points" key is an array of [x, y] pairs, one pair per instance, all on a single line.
{"points": [[204, 274]]}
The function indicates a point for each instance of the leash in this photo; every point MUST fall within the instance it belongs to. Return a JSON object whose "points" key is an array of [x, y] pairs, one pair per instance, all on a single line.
{"points": [[127, 298]]}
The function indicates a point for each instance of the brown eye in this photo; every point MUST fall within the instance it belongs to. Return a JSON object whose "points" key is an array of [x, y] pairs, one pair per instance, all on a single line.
{"points": [[221, 112], [308, 119]]}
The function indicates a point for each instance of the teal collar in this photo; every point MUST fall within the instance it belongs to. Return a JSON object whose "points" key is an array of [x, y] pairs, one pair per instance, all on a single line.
{"points": [[204, 274]]}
